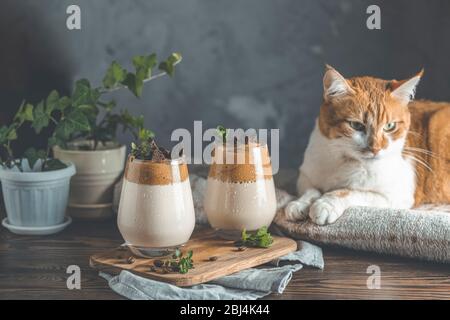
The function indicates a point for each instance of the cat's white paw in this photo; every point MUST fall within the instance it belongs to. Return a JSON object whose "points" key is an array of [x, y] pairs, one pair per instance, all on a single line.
{"points": [[297, 210], [325, 211]]}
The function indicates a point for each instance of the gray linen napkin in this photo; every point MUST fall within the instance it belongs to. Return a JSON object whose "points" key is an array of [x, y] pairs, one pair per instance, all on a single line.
{"points": [[248, 284]]}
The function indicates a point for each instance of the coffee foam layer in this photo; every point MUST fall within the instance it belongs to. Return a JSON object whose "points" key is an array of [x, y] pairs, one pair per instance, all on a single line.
{"points": [[246, 163], [239, 173], [155, 172]]}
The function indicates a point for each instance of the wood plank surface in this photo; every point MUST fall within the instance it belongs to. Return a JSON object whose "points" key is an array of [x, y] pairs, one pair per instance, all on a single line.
{"points": [[204, 244], [35, 268]]}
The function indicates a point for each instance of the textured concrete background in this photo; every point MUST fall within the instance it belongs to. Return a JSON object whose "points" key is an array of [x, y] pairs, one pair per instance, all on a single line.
{"points": [[247, 63]]}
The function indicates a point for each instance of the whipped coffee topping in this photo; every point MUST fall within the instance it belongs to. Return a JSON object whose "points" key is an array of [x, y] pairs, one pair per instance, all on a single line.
{"points": [[239, 173], [151, 172], [238, 164]]}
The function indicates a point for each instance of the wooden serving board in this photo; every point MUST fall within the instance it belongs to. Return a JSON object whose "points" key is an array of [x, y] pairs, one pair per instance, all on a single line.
{"points": [[204, 244]]}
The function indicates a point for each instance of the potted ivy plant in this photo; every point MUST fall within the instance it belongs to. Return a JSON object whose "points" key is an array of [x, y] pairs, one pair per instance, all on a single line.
{"points": [[35, 186], [86, 128]]}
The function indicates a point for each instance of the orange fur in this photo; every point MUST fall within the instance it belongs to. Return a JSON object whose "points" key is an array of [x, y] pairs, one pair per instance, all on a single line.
{"points": [[429, 135], [426, 125]]}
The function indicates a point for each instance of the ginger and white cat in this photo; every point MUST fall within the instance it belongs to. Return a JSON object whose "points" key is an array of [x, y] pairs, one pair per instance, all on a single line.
{"points": [[373, 146]]}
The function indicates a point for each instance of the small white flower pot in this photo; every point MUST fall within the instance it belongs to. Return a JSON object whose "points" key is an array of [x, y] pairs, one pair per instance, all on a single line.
{"points": [[36, 201]]}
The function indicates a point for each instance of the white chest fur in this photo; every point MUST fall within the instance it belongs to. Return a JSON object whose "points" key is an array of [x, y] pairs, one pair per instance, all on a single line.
{"points": [[327, 168]]}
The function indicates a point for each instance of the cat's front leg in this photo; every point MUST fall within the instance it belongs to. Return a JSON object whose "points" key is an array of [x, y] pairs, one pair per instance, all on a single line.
{"points": [[328, 208], [298, 209]]}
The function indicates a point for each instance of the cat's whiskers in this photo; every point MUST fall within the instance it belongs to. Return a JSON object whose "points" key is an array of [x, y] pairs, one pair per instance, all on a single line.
{"points": [[418, 161], [420, 150]]}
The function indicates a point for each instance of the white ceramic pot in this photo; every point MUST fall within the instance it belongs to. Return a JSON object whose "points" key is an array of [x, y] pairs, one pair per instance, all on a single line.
{"points": [[36, 201], [91, 189]]}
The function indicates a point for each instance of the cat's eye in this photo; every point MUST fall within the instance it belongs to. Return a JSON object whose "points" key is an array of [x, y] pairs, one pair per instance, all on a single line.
{"points": [[358, 126], [388, 127]]}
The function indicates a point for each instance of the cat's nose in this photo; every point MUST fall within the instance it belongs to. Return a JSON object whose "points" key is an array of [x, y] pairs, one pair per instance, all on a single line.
{"points": [[375, 151]]}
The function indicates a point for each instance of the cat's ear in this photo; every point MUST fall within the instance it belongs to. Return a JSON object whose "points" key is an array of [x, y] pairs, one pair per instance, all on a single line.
{"points": [[404, 90], [335, 85]]}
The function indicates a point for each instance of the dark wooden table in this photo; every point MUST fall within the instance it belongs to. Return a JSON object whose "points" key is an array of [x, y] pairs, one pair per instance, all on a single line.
{"points": [[35, 268]]}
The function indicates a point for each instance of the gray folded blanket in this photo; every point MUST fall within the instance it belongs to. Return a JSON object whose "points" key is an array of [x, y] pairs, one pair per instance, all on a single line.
{"points": [[251, 283], [421, 234]]}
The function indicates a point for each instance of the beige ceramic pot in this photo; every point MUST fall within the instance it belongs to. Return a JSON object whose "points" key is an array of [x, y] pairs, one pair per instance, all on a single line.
{"points": [[91, 189]]}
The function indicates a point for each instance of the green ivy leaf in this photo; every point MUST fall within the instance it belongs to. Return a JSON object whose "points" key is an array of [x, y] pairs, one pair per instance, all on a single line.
{"points": [[51, 102], [33, 155], [144, 65], [74, 122], [25, 113], [95, 95], [28, 112], [134, 84], [30, 155], [261, 239], [79, 120], [12, 134], [41, 118], [82, 93], [54, 164], [90, 111], [7, 134], [114, 75], [128, 121], [55, 141], [63, 103], [169, 64], [3, 134], [145, 134]]}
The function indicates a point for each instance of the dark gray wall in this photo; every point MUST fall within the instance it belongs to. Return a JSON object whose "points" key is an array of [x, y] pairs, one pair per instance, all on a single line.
{"points": [[247, 63]]}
